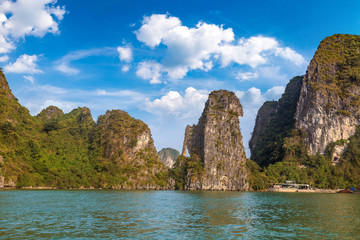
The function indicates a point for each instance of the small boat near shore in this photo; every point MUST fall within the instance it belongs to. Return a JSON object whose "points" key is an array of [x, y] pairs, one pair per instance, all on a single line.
{"points": [[291, 186]]}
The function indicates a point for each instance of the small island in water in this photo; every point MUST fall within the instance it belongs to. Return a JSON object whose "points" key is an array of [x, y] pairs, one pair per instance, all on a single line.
{"points": [[311, 135]]}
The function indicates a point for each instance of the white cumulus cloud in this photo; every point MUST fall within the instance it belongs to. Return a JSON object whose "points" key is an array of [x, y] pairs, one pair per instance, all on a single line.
{"points": [[155, 27], [187, 48], [243, 76], [149, 70], [203, 46], [125, 68], [36, 106], [24, 64], [253, 98], [27, 18], [289, 54], [125, 54], [183, 106], [274, 93], [5, 45], [4, 58]]}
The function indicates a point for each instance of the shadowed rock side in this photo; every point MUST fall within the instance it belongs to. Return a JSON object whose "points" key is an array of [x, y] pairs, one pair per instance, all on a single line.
{"points": [[328, 108], [266, 113], [168, 156], [216, 143], [274, 122]]}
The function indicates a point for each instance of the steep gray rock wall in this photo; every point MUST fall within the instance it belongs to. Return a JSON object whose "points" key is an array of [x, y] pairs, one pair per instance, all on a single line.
{"points": [[328, 108], [327, 105], [216, 141]]}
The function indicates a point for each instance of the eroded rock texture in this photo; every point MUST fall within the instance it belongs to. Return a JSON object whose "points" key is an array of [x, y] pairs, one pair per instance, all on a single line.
{"points": [[216, 142], [274, 122], [127, 145], [328, 108], [317, 111]]}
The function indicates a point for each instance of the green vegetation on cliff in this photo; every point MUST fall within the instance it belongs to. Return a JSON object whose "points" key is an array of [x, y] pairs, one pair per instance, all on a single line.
{"points": [[328, 95], [270, 143], [338, 53], [173, 153], [316, 170], [70, 150], [217, 157], [186, 167]]}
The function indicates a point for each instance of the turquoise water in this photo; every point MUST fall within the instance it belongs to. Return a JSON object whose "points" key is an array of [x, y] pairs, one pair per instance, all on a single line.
{"points": [[105, 214]]}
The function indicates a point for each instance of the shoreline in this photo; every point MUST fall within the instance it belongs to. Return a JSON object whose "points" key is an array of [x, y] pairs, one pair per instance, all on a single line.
{"points": [[159, 189], [305, 191]]}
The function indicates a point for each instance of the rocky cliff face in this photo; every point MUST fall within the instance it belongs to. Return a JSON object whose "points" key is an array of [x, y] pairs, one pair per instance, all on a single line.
{"points": [[70, 150], [168, 156], [265, 115], [126, 144], [328, 108], [216, 143], [15, 124], [274, 122], [318, 110], [4, 87], [50, 112]]}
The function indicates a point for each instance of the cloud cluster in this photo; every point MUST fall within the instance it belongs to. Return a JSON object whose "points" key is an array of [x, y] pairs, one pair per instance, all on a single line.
{"points": [[190, 105], [201, 47], [4, 58], [27, 18], [176, 105], [193, 101], [252, 100], [243, 76], [37, 97], [125, 55], [66, 106], [24, 64]]}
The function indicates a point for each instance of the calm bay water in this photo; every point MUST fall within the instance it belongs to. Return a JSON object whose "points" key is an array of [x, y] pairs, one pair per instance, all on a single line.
{"points": [[105, 214]]}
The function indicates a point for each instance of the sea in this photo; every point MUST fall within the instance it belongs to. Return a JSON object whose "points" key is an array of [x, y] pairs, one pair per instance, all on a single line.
{"points": [[116, 214]]}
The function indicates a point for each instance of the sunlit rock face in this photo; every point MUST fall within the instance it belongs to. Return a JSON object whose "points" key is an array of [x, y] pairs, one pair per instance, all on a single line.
{"points": [[317, 110], [216, 141], [328, 108]]}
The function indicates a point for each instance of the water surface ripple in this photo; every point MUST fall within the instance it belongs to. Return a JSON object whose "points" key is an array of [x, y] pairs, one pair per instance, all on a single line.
{"points": [[106, 214]]}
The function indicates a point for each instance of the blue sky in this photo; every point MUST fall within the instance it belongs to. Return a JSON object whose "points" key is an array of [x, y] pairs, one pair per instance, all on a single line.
{"points": [[158, 60]]}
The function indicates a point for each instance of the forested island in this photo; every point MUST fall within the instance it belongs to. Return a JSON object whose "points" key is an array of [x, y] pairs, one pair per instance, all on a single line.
{"points": [[310, 135]]}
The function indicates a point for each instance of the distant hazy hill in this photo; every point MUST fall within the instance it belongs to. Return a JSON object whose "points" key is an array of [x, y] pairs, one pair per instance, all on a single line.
{"points": [[168, 156]]}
